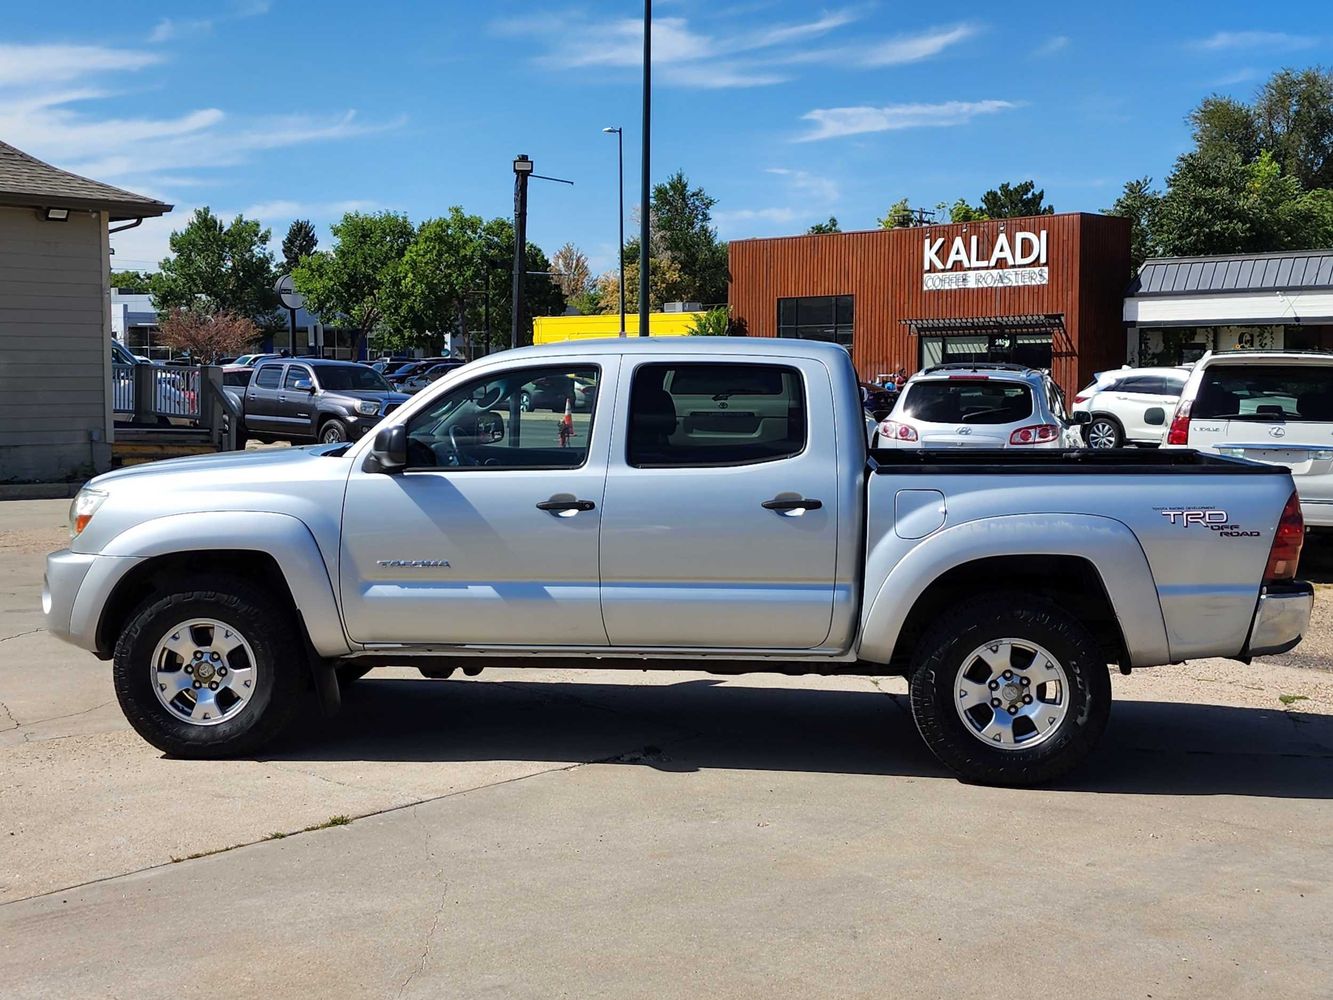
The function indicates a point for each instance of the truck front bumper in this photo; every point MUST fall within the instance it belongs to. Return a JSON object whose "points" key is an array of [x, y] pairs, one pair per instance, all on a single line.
{"points": [[1282, 618], [74, 591]]}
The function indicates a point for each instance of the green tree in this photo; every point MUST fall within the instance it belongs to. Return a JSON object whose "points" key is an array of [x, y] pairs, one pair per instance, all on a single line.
{"points": [[132, 282], [355, 281], [1010, 201], [299, 242], [573, 276], [900, 214], [682, 227], [1141, 204], [216, 268], [822, 228], [960, 211], [666, 283], [714, 323]]}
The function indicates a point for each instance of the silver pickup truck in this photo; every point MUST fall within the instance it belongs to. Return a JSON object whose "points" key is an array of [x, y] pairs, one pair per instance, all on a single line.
{"points": [[695, 504]]}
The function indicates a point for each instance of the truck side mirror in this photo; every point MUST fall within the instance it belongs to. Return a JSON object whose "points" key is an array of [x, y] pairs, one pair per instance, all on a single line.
{"points": [[1082, 417], [1154, 416], [389, 452]]}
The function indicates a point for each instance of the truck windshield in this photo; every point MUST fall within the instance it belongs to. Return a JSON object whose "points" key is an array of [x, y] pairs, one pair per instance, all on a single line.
{"points": [[1266, 392], [354, 377], [965, 401]]}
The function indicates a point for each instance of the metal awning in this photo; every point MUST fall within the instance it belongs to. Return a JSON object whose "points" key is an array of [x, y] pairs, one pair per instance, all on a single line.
{"points": [[961, 326]]}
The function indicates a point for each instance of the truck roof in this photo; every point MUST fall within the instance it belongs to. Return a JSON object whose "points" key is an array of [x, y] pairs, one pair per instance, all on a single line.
{"points": [[671, 345]]}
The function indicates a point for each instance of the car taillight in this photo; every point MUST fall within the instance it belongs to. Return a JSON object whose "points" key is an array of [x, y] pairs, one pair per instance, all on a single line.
{"points": [[1036, 434], [896, 432], [1081, 399], [1180, 425], [1285, 554]]}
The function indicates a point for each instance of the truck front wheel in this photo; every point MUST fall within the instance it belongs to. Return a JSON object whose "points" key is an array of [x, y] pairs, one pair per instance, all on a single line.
{"points": [[1010, 691], [212, 672]]}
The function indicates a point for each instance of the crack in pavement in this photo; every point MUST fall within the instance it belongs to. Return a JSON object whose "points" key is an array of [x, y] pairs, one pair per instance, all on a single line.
{"points": [[439, 911], [11, 718], [20, 635], [71, 715]]}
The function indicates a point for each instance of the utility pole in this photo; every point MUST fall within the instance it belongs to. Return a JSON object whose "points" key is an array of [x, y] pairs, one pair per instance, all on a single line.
{"points": [[620, 177], [522, 171], [647, 173]]}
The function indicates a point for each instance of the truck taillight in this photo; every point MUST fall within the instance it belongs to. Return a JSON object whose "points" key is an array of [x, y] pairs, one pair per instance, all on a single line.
{"points": [[1036, 434], [895, 431], [1081, 399], [1180, 425], [1285, 554]]}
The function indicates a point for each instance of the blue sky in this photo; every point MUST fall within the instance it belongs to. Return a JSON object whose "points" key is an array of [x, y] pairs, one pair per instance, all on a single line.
{"points": [[787, 112]]}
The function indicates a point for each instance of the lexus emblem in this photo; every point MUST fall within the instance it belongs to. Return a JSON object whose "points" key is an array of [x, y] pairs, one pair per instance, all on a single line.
{"points": [[1277, 432]]}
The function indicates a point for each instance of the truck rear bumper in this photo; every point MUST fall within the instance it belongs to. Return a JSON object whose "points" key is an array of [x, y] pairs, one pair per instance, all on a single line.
{"points": [[1282, 618]]}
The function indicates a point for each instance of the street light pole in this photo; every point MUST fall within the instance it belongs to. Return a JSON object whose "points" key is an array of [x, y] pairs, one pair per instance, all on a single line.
{"points": [[620, 252], [522, 171], [643, 194]]}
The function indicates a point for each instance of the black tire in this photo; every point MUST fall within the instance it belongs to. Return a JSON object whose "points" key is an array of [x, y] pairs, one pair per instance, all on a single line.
{"points": [[1104, 429], [279, 658], [939, 658], [525, 402], [242, 435], [333, 431]]}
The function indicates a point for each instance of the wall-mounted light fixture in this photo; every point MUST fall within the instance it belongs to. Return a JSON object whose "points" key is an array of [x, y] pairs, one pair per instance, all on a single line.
{"points": [[56, 214]]}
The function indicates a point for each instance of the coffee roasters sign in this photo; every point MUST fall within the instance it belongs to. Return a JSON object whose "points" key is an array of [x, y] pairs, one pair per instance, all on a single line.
{"points": [[1012, 260]]}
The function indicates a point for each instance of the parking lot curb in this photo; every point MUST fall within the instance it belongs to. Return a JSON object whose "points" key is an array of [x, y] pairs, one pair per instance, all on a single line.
{"points": [[38, 491]]}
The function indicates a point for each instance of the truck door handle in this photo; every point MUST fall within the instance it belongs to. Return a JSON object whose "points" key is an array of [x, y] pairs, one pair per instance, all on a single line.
{"points": [[794, 503], [566, 506]]}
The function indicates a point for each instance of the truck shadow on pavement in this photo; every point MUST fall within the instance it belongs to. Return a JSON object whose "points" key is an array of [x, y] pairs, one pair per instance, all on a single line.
{"points": [[1164, 748]]}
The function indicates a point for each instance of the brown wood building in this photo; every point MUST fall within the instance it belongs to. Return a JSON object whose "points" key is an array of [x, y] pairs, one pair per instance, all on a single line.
{"points": [[1045, 291]]}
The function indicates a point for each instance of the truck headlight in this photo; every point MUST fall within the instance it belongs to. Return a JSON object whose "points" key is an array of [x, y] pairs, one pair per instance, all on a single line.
{"points": [[368, 408], [83, 508]]}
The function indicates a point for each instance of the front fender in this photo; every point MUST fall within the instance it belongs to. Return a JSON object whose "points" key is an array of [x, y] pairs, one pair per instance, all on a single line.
{"points": [[284, 537], [1108, 544]]}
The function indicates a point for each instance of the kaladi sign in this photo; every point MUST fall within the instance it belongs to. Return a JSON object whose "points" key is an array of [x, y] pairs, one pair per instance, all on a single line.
{"points": [[969, 264]]}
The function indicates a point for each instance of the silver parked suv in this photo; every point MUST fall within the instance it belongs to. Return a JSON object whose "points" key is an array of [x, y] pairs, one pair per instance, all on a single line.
{"points": [[981, 405]]}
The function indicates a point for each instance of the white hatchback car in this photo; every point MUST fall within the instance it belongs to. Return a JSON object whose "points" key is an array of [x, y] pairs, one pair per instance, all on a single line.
{"points": [[1274, 407], [979, 406], [1130, 405]]}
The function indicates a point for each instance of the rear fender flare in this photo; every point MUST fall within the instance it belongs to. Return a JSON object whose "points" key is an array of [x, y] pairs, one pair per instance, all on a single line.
{"points": [[1108, 544]]}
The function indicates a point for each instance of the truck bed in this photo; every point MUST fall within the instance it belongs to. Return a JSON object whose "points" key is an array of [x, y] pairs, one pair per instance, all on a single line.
{"points": [[999, 461]]}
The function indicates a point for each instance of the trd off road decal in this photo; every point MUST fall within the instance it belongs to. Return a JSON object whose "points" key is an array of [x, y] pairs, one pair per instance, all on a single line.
{"points": [[1212, 518]]}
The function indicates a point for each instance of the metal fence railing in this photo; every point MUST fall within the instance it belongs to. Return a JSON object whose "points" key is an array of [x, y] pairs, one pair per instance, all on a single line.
{"points": [[122, 388]]}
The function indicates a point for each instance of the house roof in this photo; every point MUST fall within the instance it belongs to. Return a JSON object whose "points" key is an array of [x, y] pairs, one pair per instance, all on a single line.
{"points": [[1266, 272], [26, 181]]}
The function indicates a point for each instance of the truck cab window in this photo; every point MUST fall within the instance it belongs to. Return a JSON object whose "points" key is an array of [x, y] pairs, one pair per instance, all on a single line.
{"points": [[697, 415], [527, 418]]}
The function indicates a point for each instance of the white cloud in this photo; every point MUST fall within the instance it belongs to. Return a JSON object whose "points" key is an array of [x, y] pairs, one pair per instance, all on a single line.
{"points": [[1052, 45], [807, 186], [284, 210], [34, 66], [914, 48], [169, 29], [782, 214], [1226, 41], [687, 57], [832, 123]]}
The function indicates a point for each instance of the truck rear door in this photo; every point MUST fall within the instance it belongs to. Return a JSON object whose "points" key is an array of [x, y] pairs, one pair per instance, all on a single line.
{"points": [[1276, 412], [719, 527]]}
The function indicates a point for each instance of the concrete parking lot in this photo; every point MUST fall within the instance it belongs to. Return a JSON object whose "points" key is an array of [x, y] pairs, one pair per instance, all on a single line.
{"points": [[622, 834]]}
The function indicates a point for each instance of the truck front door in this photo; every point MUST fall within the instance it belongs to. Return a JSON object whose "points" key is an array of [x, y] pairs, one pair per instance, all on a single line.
{"points": [[721, 512], [489, 537]]}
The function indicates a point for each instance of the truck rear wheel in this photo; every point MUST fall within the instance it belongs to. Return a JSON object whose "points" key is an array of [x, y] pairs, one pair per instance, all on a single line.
{"points": [[209, 673], [1010, 691]]}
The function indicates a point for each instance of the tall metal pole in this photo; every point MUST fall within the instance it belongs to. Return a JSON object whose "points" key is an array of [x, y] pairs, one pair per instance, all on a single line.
{"points": [[620, 253], [647, 172], [520, 243]]}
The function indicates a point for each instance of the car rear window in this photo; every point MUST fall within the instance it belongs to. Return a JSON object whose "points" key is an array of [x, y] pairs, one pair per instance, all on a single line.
{"points": [[1266, 392], [237, 378], [959, 401], [353, 377]]}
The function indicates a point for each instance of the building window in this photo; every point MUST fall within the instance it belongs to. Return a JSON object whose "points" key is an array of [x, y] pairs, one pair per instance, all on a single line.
{"points": [[1030, 349], [824, 317]]}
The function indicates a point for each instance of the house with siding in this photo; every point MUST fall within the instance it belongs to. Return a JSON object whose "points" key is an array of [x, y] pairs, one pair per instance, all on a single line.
{"points": [[55, 320]]}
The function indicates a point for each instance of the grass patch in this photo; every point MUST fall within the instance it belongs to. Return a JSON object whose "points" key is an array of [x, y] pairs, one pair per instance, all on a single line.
{"points": [[204, 854], [1290, 699], [332, 821]]}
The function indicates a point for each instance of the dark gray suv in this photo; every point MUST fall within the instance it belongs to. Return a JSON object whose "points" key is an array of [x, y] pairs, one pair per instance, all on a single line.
{"points": [[311, 399]]}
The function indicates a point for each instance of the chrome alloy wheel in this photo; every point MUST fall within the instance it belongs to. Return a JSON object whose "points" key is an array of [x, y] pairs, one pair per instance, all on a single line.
{"points": [[1011, 694], [1102, 434], [204, 672]]}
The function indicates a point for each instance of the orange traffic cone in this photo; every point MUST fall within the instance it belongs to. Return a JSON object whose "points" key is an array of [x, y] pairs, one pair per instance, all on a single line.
{"points": [[566, 426]]}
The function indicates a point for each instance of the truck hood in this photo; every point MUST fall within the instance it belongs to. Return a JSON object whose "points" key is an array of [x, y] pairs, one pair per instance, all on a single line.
{"points": [[377, 395], [231, 467]]}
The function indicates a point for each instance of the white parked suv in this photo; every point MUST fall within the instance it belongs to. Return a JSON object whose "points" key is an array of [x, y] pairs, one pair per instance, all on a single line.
{"points": [[1130, 405], [982, 405], [1274, 407]]}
